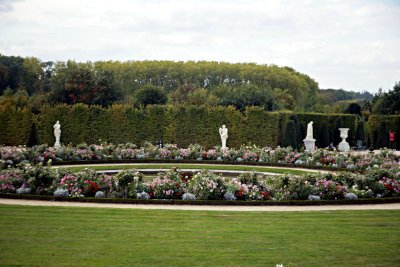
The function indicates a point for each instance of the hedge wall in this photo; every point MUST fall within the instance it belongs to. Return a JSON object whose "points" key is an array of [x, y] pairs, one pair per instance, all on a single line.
{"points": [[15, 125], [323, 124], [182, 125], [378, 128]]}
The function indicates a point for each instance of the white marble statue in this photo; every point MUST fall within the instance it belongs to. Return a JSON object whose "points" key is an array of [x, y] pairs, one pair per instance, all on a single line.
{"points": [[223, 131], [310, 131], [309, 141], [57, 134]]}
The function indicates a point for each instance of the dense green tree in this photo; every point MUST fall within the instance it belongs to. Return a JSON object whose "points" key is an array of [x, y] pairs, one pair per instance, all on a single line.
{"points": [[283, 99], [79, 86], [150, 95], [14, 72], [180, 95], [106, 88], [4, 76], [242, 96], [387, 103], [33, 75], [354, 108]]}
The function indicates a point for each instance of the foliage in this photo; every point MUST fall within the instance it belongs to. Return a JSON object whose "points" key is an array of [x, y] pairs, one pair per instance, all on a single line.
{"points": [[290, 138], [150, 95], [378, 136], [167, 186], [105, 82], [207, 185], [388, 102]]}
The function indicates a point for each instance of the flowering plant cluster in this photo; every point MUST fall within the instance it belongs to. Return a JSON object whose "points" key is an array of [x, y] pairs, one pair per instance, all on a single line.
{"points": [[204, 185], [207, 185], [247, 186], [286, 155], [167, 185], [10, 181], [328, 189], [391, 187]]}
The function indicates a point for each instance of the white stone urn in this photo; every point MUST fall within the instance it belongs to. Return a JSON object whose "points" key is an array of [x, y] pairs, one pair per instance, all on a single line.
{"points": [[344, 146]]}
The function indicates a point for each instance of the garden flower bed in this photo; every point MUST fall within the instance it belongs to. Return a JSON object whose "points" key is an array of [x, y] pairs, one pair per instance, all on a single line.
{"points": [[205, 187], [250, 155]]}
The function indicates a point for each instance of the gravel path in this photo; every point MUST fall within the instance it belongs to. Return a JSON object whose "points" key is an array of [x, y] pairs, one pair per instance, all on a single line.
{"points": [[394, 206]]}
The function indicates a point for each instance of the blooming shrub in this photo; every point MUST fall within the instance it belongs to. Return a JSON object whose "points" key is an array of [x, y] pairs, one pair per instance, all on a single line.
{"points": [[10, 180], [13, 154], [125, 177], [167, 186], [207, 185], [391, 187], [247, 186], [328, 189], [72, 184], [280, 155]]}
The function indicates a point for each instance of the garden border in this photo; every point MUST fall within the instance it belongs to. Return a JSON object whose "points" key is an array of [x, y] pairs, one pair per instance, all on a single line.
{"points": [[216, 162], [206, 202]]}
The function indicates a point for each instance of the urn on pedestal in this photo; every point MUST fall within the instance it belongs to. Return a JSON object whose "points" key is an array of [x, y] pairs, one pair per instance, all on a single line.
{"points": [[344, 146]]}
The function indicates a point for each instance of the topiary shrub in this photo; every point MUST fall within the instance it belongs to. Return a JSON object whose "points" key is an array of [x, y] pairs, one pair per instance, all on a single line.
{"points": [[290, 138]]}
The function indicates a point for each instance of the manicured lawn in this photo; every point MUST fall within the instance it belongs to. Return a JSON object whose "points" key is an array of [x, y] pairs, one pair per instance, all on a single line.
{"points": [[190, 166], [55, 236]]}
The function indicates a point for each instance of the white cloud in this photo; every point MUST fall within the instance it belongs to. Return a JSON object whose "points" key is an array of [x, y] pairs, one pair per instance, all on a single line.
{"points": [[341, 44]]}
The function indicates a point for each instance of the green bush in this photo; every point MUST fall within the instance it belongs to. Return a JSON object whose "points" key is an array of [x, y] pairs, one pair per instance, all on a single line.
{"points": [[182, 125], [290, 138], [375, 131], [15, 125]]}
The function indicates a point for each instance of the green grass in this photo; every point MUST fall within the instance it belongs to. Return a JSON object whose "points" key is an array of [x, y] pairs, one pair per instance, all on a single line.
{"points": [[55, 236], [190, 166]]}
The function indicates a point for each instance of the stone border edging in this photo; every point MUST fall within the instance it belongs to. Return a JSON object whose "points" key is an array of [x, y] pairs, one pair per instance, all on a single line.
{"points": [[215, 162], [178, 202], [393, 206]]}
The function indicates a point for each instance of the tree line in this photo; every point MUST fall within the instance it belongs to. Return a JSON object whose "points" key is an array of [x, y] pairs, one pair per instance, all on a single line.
{"points": [[30, 82]]}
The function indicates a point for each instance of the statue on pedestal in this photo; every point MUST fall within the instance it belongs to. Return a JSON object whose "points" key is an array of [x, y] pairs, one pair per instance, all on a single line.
{"points": [[57, 134], [310, 131], [309, 141], [223, 131]]}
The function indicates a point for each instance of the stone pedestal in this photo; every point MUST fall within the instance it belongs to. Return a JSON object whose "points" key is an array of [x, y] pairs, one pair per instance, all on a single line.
{"points": [[57, 145], [309, 144], [344, 146]]}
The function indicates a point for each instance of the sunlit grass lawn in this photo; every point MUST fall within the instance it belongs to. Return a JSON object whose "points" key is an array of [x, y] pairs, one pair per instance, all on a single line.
{"points": [[55, 236], [191, 166]]}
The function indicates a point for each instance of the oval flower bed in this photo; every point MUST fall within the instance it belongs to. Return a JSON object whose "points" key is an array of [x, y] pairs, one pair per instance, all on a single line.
{"points": [[321, 158], [205, 185]]}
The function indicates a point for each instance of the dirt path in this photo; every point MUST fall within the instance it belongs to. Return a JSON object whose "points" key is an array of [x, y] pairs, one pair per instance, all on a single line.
{"points": [[395, 206]]}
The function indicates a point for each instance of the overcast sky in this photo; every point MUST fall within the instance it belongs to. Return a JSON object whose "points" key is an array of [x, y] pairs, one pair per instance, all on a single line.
{"points": [[354, 45]]}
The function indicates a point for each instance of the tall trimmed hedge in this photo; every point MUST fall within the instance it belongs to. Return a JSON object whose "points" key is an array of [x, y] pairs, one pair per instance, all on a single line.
{"points": [[15, 125], [378, 128], [323, 124], [182, 125]]}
